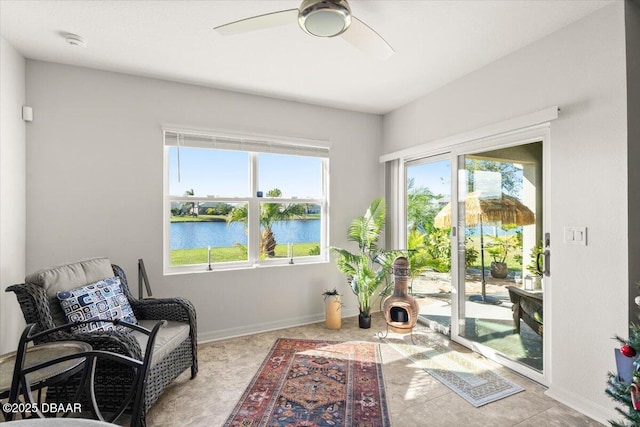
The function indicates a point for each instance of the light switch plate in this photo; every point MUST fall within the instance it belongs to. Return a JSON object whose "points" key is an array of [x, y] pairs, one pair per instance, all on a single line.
{"points": [[27, 113], [575, 235]]}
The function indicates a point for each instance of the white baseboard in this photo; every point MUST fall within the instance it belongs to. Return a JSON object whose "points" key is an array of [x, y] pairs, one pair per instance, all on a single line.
{"points": [[221, 334], [599, 413]]}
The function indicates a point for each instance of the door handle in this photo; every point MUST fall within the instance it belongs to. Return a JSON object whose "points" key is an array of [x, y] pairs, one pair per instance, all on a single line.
{"points": [[547, 260]]}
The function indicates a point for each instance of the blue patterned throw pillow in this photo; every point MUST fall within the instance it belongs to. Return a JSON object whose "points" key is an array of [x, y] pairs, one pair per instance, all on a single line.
{"points": [[100, 300]]}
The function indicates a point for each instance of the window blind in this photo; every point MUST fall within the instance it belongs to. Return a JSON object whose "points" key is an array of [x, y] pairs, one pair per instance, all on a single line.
{"points": [[253, 143]]}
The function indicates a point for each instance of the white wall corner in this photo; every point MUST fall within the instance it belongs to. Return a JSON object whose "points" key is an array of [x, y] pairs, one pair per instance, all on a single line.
{"points": [[12, 191], [599, 413]]}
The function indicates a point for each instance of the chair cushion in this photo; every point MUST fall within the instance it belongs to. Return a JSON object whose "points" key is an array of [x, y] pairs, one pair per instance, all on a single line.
{"points": [[167, 339], [69, 276], [101, 300]]}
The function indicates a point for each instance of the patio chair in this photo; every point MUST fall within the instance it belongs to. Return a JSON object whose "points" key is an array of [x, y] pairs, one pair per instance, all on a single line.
{"points": [[47, 369], [175, 348]]}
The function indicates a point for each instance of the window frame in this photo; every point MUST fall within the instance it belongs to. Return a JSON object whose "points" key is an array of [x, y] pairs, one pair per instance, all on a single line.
{"points": [[284, 145]]}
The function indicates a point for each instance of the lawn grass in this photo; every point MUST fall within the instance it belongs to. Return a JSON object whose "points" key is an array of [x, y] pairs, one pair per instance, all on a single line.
{"points": [[227, 254], [199, 218], [223, 218]]}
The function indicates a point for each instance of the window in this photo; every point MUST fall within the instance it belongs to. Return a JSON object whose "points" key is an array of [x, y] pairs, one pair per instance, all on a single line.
{"points": [[238, 201]]}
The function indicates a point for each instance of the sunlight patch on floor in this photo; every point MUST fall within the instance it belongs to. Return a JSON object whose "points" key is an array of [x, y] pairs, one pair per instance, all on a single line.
{"points": [[419, 384]]}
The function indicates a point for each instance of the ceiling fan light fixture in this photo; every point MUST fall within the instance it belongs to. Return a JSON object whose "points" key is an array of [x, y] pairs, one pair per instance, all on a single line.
{"points": [[324, 18]]}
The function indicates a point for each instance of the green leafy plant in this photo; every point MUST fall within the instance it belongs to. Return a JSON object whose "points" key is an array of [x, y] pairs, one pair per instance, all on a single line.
{"points": [[532, 267], [418, 256], [501, 246], [433, 250], [471, 254], [438, 247], [370, 266]]}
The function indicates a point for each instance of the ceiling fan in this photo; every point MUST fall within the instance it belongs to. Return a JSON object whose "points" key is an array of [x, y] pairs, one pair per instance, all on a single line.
{"points": [[320, 18]]}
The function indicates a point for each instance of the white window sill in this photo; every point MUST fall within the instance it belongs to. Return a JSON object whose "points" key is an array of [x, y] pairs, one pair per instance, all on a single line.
{"points": [[203, 268]]}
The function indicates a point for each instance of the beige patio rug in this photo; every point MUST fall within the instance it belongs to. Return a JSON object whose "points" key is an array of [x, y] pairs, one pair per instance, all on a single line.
{"points": [[468, 376]]}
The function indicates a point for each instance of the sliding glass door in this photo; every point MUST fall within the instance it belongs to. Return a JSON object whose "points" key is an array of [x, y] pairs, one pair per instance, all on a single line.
{"points": [[474, 252], [500, 219], [428, 190]]}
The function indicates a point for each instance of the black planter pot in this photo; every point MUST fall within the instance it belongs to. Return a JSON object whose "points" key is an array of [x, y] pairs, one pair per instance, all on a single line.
{"points": [[364, 322], [499, 270]]}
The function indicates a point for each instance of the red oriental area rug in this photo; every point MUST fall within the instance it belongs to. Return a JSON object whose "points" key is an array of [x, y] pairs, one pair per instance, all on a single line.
{"points": [[305, 383]]}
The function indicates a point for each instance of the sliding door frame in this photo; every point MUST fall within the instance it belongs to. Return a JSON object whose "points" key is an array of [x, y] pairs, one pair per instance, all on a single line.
{"points": [[540, 133], [454, 208], [452, 148]]}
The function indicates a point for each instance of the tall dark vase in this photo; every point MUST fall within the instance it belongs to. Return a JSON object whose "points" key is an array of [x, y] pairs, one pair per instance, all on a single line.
{"points": [[364, 322]]}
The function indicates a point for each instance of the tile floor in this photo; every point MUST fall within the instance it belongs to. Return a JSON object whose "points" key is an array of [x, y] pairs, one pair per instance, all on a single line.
{"points": [[414, 397]]}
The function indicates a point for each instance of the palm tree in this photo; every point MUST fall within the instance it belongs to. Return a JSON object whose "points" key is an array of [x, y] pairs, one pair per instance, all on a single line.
{"points": [[269, 214], [189, 207], [422, 207], [418, 257], [367, 269]]}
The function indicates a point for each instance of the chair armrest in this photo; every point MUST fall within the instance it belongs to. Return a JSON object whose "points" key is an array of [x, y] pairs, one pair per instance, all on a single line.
{"points": [[176, 309], [34, 304], [115, 341]]}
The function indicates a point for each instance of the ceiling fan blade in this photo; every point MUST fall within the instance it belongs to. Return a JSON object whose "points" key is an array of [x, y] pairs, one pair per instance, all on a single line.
{"points": [[363, 37], [268, 20]]}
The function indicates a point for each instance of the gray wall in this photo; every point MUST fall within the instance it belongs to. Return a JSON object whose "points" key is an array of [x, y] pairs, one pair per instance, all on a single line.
{"points": [[94, 187], [632, 27], [12, 191], [580, 68]]}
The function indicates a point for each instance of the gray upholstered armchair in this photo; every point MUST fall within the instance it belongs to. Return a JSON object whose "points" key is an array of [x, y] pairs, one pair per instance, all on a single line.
{"points": [[175, 347]]}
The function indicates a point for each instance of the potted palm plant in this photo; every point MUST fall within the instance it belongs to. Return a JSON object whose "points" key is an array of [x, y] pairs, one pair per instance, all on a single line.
{"points": [[499, 249], [367, 268]]}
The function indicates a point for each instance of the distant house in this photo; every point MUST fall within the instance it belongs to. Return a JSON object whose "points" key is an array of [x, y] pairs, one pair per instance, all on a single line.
{"points": [[313, 208]]}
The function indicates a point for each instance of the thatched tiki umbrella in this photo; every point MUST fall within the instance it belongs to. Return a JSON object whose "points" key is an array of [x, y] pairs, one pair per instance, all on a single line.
{"points": [[479, 209]]}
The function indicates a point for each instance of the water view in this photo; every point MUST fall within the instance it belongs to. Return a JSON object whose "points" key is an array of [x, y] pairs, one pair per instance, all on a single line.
{"points": [[191, 235]]}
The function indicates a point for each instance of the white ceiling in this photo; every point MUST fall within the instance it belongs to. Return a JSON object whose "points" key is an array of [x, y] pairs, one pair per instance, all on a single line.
{"points": [[436, 42]]}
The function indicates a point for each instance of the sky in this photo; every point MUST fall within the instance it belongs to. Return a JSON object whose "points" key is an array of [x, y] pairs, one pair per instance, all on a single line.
{"points": [[226, 173], [436, 176]]}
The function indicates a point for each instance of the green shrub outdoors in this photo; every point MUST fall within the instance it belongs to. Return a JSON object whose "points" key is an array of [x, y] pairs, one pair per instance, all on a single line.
{"points": [[437, 247], [501, 247], [513, 260]]}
